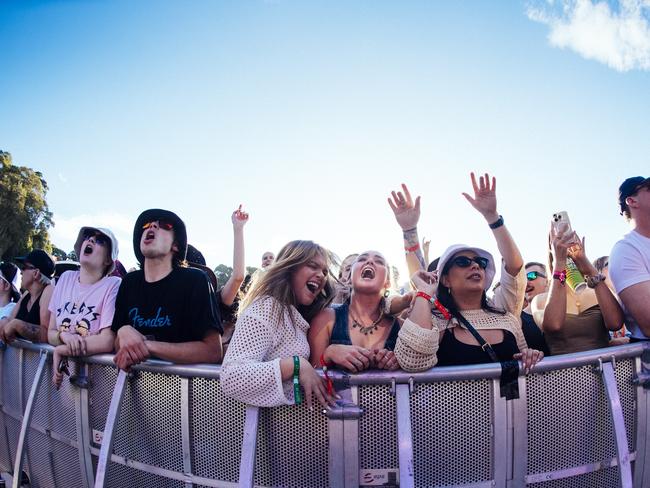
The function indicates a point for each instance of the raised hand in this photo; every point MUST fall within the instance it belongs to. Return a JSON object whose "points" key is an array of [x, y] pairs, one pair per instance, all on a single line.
{"points": [[561, 241], [239, 218], [577, 253], [407, 213], [485, 197], [425, 281]]}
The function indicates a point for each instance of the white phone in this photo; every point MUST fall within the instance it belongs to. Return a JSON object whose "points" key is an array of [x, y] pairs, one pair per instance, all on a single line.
{"points": [[561, 222]]}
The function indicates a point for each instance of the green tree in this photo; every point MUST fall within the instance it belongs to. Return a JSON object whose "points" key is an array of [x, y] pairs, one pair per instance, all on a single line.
{"points": [[222, 272], [59, 254], [26, 217]]}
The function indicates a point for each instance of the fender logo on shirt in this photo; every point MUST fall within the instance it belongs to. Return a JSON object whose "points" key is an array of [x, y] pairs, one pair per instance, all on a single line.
{"points": [[157, 321]]}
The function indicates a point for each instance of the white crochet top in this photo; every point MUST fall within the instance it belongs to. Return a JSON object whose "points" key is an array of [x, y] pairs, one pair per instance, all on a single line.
{"points": [[263, 335], [417, 347]]}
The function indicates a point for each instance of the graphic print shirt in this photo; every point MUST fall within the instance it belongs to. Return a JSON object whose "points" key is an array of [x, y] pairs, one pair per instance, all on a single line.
{"points": [[84, 309], [179, 308]]}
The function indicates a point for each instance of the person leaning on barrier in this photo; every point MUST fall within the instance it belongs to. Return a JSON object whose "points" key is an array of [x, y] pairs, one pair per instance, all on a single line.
{"points": [[9, 283], [358, 334], [83, 302], [441, 335], [165, 310], [267, 361], [575, 321], [629, 261], [536, 283], [31, 317]]}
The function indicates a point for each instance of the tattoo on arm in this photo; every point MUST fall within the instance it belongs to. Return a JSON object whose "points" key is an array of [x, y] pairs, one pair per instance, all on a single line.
{"points": [[30, 331], [411, 240]]}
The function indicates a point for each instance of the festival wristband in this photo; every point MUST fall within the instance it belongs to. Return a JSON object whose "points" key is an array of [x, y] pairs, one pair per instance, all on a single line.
{"points": [[296, 380], [330, 383], [560, 276], [425, 296], [412, 248]]}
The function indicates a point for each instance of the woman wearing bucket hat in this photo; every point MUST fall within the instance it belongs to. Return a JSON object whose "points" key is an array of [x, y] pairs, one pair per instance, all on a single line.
{"points": [[579, 319], [462, 326], [83, 302], [30, 318]]}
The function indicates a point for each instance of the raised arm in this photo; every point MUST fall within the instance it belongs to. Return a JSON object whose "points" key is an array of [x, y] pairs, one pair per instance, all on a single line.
{"points": [[230, 289], [609, 306], [407, 215], [485, 202], [555, 308]]}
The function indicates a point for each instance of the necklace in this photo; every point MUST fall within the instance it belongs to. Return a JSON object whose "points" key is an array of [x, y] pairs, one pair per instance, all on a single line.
{"points": [[367, 329]]}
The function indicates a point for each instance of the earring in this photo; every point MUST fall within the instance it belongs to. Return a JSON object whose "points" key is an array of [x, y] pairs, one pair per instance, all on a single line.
{"points": [[386, 293]]}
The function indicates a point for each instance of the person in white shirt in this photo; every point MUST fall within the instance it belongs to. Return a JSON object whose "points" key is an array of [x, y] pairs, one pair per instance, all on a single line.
{"points": [[629, 261]]}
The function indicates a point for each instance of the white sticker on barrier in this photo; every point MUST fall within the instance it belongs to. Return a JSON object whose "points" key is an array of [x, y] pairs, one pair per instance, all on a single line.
{"points": [[379, 477], [98, 436]]}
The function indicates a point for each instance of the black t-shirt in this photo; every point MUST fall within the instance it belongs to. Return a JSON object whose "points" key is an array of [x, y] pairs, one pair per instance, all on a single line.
{"points": [[179, 308], [534, 336]]}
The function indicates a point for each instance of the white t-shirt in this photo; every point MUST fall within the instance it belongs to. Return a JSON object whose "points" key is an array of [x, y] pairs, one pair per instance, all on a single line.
{"points": [[629, 264], [6, 310], [85, 309]]}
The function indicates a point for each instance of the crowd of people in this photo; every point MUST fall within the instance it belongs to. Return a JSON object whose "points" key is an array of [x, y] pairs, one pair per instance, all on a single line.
{"points": [[302, 310]]}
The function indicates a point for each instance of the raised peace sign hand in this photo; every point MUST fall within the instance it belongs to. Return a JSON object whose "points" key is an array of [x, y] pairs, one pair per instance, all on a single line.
{"points": [[485, 197], [406, 212]]}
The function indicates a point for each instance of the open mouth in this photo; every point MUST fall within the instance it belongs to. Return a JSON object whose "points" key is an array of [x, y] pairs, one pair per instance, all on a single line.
{"points": [[529, 289], [368, 273], [88, 250], [312, 286], [149, 236], [474, 276]]}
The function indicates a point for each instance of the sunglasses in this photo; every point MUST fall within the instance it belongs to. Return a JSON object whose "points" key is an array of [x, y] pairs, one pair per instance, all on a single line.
{"points": [[100, 238], [533, 275], [465, 262], [162, 224]]}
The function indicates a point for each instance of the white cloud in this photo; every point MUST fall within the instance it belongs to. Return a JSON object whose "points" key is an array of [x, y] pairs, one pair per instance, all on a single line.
{"points": [[64, 233], [618, 37]]}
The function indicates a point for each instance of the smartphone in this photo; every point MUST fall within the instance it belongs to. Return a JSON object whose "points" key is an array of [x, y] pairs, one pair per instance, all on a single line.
{"points": [[561, 222]]}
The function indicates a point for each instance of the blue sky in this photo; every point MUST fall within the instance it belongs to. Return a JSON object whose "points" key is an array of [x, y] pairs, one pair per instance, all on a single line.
{"points": [[309, 113]]}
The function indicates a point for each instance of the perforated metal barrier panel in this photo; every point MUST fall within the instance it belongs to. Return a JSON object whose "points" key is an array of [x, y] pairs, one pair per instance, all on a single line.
{"points": [[175, 428]]}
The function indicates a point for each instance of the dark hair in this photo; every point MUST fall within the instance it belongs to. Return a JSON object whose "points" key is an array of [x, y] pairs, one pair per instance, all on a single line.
{"points": [[433, 265], [9, 271], [447, 300], [534, 263], [601, 263]]}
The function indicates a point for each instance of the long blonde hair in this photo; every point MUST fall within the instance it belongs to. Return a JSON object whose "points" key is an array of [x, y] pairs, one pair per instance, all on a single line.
{"points": [[276, 280]]}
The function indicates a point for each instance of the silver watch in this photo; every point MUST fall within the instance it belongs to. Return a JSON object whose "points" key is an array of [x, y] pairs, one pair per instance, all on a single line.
{"points": [[592, 281]]}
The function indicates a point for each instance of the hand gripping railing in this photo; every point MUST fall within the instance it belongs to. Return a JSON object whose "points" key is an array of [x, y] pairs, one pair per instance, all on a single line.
{"points": [[427, 414]]}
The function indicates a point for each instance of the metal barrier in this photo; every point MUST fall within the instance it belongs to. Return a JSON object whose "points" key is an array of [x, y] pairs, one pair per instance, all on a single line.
{"points": [[581, 421]]}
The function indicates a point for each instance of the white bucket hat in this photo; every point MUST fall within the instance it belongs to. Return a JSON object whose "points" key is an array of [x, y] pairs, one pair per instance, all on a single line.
{"points": [[449, 253], [107, 233]]}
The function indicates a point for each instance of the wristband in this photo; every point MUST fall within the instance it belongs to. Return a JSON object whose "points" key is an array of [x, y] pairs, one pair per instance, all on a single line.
{"points": [[497, 223], [330, 383], [412, 248], [592, 281], [425, 296], [442, 309], [296, 380], [560, 276]]}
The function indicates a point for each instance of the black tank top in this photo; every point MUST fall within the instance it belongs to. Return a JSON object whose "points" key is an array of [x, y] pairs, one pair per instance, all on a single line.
{"points": [[341, 333], [33, 315], [453, 352]]}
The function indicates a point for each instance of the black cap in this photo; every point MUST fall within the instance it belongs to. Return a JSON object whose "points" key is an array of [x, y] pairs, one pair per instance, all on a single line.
{"points": [[628, 188], [152, 215], [40, 260]]}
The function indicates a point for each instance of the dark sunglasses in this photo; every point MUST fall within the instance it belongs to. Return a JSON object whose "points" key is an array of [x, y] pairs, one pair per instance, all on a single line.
{"points": [[465, 262], [100, 238], [533, 275], [162, 224]]}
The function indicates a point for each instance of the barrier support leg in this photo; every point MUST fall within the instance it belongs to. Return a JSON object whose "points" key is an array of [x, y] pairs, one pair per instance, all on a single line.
{"points": [[404, 437], [109, 430], [624, 467], [249, 447], [83, 431], [27, 419]]}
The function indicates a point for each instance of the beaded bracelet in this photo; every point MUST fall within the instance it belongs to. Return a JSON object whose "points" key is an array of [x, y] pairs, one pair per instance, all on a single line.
{"points": [[560, 276], [297, 395]]}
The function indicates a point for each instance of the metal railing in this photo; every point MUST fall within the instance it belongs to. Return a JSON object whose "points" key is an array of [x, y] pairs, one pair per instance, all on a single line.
{"points": [[581, 420]]}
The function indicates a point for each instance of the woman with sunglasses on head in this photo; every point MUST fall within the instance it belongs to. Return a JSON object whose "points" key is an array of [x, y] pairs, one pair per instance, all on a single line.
{"points": [[83, 302], [267, 362], [358, 334], [464, 326], [575, 321], [30, 317]]}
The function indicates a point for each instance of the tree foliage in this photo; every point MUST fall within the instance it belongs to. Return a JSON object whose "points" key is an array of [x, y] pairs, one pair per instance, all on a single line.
{"points": [[25, 216]]}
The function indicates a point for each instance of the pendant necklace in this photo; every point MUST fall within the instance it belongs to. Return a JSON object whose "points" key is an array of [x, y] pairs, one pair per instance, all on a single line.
{"points": [[367, 329]]}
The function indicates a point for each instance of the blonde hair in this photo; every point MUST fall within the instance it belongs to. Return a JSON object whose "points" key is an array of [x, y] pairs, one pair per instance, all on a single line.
{"points": [[276, 280]]}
